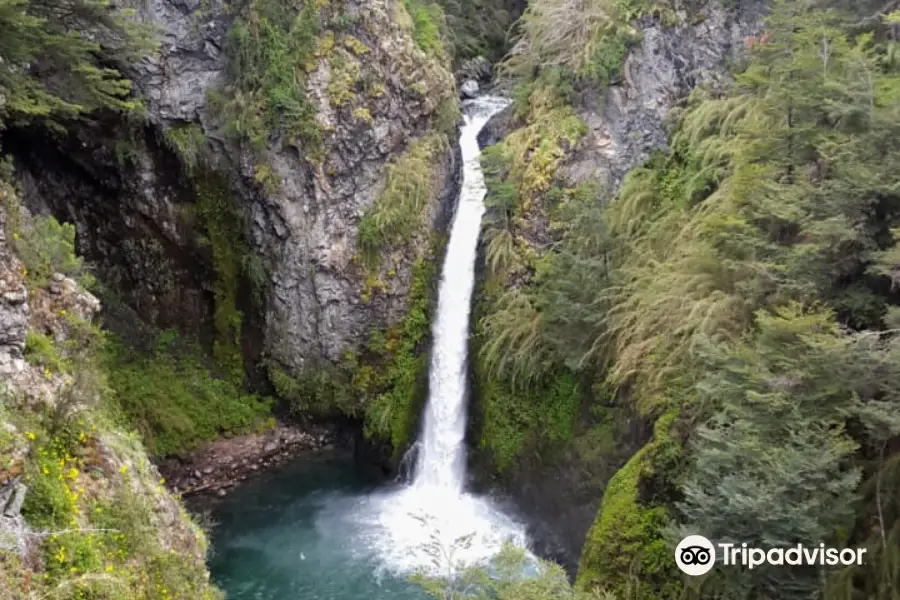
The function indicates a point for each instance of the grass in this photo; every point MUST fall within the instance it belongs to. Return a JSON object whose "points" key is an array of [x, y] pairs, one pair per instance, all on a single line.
{"points": [[174, 399], [269, 48], [41, 351], [399, 211]]}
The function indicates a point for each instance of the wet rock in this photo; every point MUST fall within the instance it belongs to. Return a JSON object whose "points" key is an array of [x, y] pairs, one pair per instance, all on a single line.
{"points": [[497, 128], [469, 88], [208, 470], [477, 69], [270, 447]]}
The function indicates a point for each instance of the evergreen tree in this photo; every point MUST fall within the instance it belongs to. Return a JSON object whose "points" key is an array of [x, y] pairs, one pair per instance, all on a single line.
{"points": [[774, 465], [61, 59]]}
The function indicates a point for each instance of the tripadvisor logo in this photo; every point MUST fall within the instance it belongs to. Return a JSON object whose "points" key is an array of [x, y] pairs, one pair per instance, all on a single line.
{"points": [[695, 555]]}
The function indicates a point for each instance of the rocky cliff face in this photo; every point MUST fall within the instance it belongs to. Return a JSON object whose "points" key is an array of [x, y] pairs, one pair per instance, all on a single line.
{"points": [[67, 473], [378, 97], [627, 121]]}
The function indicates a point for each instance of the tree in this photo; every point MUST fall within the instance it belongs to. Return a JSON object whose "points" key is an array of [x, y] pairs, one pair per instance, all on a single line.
{"points": [[774, 465], [58, 59]]}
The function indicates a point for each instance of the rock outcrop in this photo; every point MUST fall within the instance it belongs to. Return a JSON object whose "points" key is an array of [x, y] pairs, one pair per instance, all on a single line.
{"points": [[627, 121], [221, 465], [377, 96], [50, 401], [13, 305]]}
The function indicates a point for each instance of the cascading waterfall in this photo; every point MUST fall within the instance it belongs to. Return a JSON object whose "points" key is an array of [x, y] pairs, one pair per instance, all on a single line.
{"points": [[419, 525], [441, 458]]}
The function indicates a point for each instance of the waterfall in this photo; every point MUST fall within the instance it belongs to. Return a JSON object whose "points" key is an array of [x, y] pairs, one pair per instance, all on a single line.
{"points": [[441, 458], [433, 521]]}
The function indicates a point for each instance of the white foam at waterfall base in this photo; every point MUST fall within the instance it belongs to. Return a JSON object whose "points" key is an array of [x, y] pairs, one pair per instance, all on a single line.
{"points": [[433, 524]]}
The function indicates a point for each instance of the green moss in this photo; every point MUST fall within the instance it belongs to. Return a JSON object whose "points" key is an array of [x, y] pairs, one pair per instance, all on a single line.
{"points": [[626, 548], [448, 116], [187, 140], [371, 285], [173, 398], [393, 413], [224, 228], [362, 113], [345, 70], [354, 45]]}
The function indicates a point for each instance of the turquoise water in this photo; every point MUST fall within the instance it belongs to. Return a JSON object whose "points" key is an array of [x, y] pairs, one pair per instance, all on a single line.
{"points": [[293, 534]]}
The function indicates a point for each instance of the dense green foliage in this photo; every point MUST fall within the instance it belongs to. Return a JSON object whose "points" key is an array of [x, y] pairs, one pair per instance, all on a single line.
{"points": [[777, 449], [429, 27], [479, 27], [528, 399], [45, 246], [60, 60], [95, 505], [270, 48], [739, 291], [173, 397]]}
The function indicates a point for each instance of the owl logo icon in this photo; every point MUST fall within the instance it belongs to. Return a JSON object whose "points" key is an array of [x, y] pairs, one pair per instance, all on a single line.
{"points": [[695, 555]]}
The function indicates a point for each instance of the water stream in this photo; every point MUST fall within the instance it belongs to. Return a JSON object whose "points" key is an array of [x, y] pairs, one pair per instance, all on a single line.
{"points": [[339, 538]]}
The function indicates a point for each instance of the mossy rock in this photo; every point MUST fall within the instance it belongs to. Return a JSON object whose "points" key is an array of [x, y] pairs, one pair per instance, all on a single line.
{"points": [[626, 548]]}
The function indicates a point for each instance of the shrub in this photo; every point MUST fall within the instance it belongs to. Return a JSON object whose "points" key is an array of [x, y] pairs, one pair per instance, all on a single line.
{"points": [[49, 503], [47, 246], [429, 27], [40, 350], [269, 49], [398, 212], [187, 140]]}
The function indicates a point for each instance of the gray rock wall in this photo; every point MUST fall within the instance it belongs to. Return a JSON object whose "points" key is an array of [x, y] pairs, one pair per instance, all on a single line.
{"points": [[629, 120], [134, 219]]}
